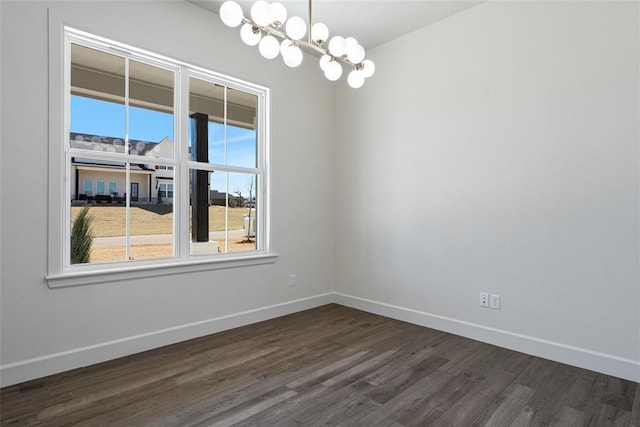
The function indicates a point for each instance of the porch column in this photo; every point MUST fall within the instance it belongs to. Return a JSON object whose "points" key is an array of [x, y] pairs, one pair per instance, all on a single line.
{"points": [[200, 179]]}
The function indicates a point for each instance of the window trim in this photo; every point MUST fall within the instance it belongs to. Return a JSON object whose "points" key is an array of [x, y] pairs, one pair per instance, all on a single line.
{"points": [[59, 275]]}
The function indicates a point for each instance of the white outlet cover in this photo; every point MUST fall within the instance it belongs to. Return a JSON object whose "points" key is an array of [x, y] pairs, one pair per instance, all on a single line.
{"points": [[484, 299], [494, 301]]}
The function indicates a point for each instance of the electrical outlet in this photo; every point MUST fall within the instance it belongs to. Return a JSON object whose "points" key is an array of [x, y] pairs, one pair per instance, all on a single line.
{"points": [[484, 299], [494, 301], [292, 280]]}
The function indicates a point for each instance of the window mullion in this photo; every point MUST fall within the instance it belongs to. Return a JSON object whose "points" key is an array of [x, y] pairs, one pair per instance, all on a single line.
{"points": [[182, 211], [226, 162], [128, 164], [262, 179], [219, 168], [66, 168]]}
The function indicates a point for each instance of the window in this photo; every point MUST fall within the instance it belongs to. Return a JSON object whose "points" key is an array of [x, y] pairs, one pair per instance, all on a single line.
{"points": [[196, 166], [88, 188], [166, 190]]}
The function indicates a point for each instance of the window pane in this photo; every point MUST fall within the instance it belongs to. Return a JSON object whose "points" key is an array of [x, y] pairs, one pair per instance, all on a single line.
{"points": [[241, 124], [206, 212], [100, 187], [107, 213], [211, 138], [216, 142], [152, 232], [151, 130], [206, 107], [245, 232], [222, 226], [97, 119]]}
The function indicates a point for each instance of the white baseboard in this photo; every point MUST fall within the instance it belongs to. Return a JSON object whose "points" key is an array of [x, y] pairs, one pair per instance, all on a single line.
{"points": [[574, 356], [14, 373]]}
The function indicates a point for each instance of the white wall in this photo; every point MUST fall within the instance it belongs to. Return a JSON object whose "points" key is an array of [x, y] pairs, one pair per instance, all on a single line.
{"points": [[45, 330], [497, 151]]}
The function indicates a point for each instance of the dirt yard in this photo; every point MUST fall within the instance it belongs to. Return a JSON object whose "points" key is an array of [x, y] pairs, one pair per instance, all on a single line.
{"points": [[110, 221]]}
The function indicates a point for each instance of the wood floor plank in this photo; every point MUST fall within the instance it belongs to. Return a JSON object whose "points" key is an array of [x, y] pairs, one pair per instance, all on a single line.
{"points": [[328, 371], [524, 418], [404, 378], [609, 416], [570, 417], [635, 412], [333, 407], [361, 369], [619, 394], [332, 365], [428, 411], [587, 391], [503, 411], [465, 410], [288, 409], [552, 382], [402, 405], [245, 411], [402, 362]]}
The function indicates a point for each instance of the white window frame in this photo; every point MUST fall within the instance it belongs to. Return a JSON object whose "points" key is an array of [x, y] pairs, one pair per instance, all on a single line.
{"points": [[60, 272]]}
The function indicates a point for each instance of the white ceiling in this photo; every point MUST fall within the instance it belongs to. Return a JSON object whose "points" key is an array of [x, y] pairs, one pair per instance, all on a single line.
{"points": [[371, 22]]}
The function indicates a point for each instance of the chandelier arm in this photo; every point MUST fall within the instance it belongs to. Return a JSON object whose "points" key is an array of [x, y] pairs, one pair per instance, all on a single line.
{"points": [[310, 46]]}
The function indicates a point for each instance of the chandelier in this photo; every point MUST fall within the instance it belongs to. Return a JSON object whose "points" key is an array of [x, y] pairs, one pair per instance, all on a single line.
{"points": [[269, 28]]}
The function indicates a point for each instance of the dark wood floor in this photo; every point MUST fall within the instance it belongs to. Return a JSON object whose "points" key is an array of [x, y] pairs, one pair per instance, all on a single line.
{"points": [[330, 365]]}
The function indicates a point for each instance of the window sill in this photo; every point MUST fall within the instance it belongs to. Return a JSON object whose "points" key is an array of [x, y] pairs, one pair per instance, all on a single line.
{"points": [[79, 278]]}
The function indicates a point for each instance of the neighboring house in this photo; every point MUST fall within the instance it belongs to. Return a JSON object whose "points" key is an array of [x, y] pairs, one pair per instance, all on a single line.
{"points": [[93, 180], [219, 198]]}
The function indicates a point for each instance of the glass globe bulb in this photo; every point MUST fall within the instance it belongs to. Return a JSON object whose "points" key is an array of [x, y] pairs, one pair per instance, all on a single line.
{"points": [[337, 46], [355, 54], [278, 14], [333, 71], [292, 56], [368, 68], [324, 61], [231, 13], [351, 43], [249, 35], [284, 45], [296, 28], [269, 47], [319, 33], [355, 79], [261, 13]]}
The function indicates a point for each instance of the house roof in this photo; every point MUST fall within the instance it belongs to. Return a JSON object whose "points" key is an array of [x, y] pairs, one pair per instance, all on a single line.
{"points": [[114, 145], [105, 164]]}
